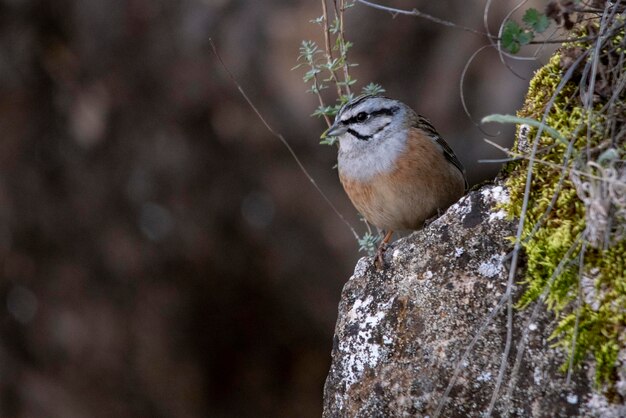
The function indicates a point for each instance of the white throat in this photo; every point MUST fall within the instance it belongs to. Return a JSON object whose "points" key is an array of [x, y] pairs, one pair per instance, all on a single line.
{"points": [[362, 160]]}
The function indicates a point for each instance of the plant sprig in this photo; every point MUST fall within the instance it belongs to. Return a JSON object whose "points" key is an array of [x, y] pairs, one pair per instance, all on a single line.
{"points": [[514, 35], [329, 66]]}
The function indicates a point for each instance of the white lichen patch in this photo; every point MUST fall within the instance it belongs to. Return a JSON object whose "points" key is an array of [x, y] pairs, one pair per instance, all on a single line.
{"points": [[462, 207], [600, 407], [361, 267], [484, 377], [591, 294], [358, 304], [373, 320], [620, 385], [497, 194], [492, 267], [497, 216], [523, 144], [339, 400], [537, 376], [361, 351]]}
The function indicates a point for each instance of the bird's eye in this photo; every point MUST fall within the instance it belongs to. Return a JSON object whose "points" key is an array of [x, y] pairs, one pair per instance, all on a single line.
{"points": [[361, 117]]}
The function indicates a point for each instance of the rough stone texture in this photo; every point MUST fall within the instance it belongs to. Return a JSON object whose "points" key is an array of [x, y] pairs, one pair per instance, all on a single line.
{"points": [[401, 332]]}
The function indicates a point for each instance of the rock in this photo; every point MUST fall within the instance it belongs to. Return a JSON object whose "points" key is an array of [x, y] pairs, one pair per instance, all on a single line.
{"points": [[403, 332]]}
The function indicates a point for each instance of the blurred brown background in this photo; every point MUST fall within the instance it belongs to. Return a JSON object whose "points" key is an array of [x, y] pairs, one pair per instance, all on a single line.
{"points": [[161, 254]]}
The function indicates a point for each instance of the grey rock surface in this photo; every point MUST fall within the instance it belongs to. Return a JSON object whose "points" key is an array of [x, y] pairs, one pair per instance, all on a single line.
{"points": [[402, 332]]}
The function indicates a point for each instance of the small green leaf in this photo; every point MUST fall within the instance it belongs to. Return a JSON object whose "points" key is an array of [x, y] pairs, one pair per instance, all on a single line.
{"points": [[319, 20], [326, 111], [334, 27], [332, 65], [368, 243], [309, 75], [348, 82], [345, 98], [608, 156], [308, 50], [329, 140], [525, 37], [514, 36], [532, 122], [510, 35], [536, 21], [373, 88], [316, 88]]}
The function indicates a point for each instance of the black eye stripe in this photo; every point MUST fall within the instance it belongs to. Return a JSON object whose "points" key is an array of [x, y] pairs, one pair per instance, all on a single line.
{"points": [[358, 135], [385, 111], [388, 112], [366, 137]]}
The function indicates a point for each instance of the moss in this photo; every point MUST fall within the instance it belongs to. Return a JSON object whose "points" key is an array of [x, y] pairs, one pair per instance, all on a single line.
{"points": [[553, 249]]}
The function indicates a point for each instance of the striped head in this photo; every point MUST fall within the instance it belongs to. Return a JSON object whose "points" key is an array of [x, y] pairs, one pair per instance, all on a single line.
{"points": [[372, 133]]}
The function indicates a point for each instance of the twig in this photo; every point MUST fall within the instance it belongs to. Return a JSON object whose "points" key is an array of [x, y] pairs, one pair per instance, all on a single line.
{"points": [[321, 102], [461, 84], [417, 13], [517, 156], [344, 52], [501, 52], [329, 50], [581, 266]]}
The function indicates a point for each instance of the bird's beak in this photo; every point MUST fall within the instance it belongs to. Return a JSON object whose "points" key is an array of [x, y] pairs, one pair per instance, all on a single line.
{"points": [[335, 130]]}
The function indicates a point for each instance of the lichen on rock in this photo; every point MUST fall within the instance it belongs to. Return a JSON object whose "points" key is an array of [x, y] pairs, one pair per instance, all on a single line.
{"points": [[402, 332], [573, 236], [426, 336]]}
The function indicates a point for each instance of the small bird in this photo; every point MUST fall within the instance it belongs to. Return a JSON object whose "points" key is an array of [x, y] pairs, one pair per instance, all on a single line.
{"points": [[396, 169]]}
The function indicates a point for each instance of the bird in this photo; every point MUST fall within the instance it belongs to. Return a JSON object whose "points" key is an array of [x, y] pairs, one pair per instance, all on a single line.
{"points": [[394, 166]]}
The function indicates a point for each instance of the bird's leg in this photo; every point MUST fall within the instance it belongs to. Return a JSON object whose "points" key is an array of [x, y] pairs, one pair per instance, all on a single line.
{"points": [[379, 262]]}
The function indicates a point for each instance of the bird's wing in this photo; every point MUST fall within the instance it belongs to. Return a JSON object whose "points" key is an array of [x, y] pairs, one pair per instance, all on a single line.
{"points": [[425, 125]]}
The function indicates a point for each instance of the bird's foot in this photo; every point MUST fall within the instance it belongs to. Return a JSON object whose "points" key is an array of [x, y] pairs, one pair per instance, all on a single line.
{"points": [[379, 261]]}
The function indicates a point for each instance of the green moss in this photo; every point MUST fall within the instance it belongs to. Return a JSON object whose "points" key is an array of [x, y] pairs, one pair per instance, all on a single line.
{"points": [[559, 240]]}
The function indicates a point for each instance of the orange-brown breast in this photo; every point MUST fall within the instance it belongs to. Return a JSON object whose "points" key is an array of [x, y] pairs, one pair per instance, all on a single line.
{"points": [[421, 183]]}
